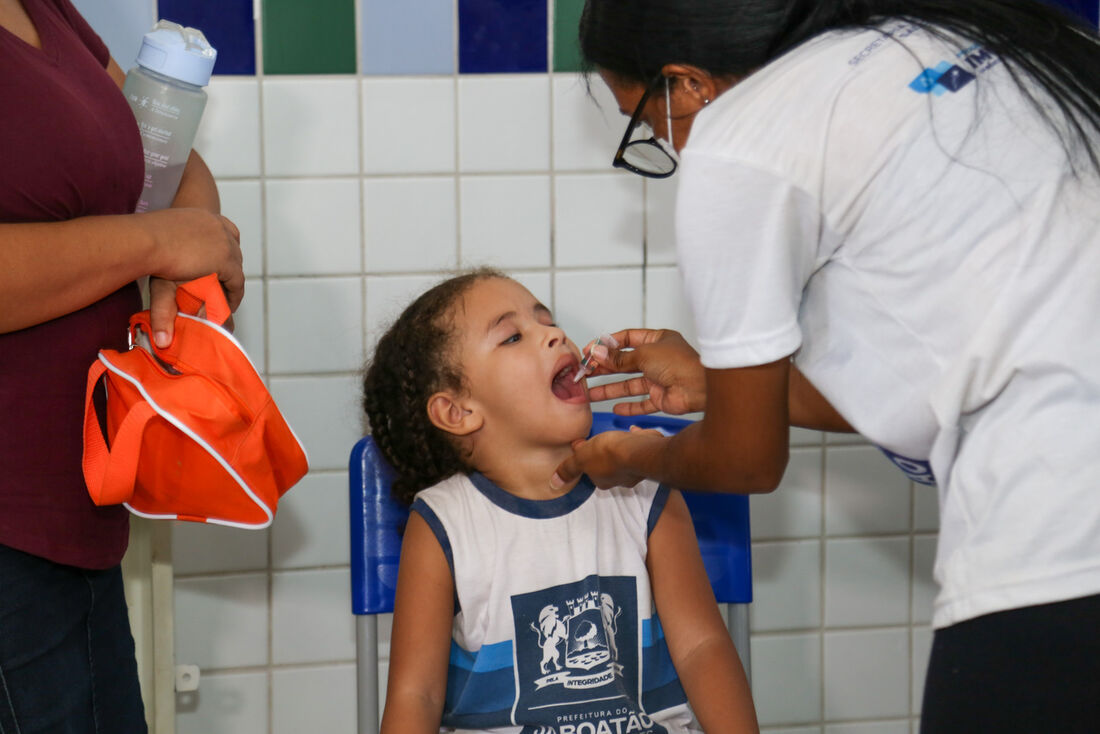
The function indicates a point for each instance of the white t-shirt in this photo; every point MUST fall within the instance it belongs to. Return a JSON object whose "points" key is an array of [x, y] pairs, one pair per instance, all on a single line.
{"points": [[890, 209]]}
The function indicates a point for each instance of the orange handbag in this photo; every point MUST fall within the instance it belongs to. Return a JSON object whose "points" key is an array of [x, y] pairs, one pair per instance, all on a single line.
{"points": [[191, 430]]}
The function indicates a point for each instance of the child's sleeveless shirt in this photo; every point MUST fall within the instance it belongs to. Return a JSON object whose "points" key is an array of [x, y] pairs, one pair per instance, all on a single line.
{"points": [[555, 630]]}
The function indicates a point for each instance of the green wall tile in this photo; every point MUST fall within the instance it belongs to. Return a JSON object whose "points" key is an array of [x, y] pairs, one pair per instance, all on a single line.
{"points": [[309, 36], [567, 51]]}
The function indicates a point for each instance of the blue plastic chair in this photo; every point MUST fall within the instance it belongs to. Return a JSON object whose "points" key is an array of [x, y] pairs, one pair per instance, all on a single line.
{"points": [[377, 521]]}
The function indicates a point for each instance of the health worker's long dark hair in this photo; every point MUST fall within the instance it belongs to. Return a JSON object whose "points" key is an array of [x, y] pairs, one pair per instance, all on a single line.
{"points": [[635, 39]]}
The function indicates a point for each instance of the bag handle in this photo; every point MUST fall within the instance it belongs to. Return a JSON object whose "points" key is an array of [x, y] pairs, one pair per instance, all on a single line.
{"points": [[110, 473], [205, 291]]}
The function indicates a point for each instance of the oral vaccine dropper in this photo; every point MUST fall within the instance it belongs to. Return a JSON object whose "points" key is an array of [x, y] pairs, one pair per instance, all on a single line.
{"points": [[585, 367]]}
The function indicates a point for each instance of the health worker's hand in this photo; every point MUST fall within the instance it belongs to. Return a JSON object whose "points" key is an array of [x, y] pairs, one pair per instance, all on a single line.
{"points": [[606, 458], [672, 380]]}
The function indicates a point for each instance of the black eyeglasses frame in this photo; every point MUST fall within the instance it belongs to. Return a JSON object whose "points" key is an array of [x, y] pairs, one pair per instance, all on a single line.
{"points": [[619, 161]]}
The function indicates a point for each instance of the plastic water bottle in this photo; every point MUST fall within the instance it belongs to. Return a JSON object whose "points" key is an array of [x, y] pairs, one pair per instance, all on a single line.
{"points": [[165, 91]]}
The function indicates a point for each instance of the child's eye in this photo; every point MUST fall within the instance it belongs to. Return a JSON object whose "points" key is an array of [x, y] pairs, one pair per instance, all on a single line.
{"points": [[512, 339]]}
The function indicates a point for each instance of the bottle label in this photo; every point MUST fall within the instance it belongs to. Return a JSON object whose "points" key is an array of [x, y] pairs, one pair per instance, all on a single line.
{"points": [[156, 106], [153, 133], [167, 117]]}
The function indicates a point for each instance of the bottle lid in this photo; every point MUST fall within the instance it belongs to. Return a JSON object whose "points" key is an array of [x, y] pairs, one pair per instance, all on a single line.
{"points": [[178, 52]]}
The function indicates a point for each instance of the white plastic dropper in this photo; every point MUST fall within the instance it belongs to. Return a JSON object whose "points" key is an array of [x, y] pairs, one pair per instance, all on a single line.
{"points": [[585, 368]]}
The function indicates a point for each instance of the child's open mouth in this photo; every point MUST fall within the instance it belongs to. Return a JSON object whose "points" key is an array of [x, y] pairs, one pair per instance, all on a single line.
{"points": [[563, 386]]}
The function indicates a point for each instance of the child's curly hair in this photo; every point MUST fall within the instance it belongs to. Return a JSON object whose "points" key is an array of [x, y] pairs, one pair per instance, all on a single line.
{"points": [[412, 361]]}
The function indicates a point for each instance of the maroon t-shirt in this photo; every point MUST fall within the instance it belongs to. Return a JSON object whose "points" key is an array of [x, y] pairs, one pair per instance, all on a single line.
{"points": [[69, 147]]}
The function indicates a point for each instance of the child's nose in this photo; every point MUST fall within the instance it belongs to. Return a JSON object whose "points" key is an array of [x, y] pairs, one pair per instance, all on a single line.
{"points": [[555, 337]]}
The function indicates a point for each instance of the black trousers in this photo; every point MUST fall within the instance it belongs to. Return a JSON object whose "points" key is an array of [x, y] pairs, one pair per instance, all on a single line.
{"points": [[1034, 670]]}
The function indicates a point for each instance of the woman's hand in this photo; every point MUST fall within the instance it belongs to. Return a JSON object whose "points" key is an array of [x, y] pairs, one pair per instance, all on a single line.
{"points": [[605, 458], [673, 380], [740, 445], [190, 243], [163, 309]]}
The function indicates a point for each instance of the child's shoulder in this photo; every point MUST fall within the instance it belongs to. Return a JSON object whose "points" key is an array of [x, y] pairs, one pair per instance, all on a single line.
{"points": [[454, 485], [647, 498], [646, 489]]}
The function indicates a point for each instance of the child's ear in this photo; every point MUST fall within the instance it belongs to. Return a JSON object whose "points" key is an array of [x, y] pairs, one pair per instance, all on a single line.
{"points": [[448, 412]]}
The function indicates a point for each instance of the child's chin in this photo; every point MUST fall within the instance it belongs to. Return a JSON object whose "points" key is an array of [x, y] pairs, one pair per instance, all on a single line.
{"points": [[583, 429], [576, 424]]}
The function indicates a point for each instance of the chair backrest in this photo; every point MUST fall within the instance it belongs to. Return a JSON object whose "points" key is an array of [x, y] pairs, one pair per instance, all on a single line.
{"points": [[377, 521]]}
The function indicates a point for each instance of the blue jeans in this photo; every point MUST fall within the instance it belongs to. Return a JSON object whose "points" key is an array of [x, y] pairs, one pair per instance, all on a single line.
{"points": [[66, 653]]}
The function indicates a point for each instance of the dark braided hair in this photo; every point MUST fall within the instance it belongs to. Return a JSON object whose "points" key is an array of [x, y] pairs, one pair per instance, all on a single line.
{"points": [[412, 361], [635, 39]]}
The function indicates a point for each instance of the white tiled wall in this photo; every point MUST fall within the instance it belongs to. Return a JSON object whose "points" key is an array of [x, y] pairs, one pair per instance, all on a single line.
{"points": [[352, 195]]}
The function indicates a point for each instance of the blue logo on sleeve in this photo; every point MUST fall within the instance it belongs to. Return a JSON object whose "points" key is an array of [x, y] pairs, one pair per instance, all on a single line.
{"points": [[948, 77], [916, 469], [944, 77]]}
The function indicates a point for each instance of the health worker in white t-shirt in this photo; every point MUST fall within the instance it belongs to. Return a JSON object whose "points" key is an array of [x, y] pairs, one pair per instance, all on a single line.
{"points": [[888, 221]]}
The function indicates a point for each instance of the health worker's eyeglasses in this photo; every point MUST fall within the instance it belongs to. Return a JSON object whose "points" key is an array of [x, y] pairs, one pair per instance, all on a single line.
{"points": [[647, 156]]}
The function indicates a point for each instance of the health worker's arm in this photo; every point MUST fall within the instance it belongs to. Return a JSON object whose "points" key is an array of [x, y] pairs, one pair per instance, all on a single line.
{"points": [[740, 445], [748, 242], [50, 269], [705, 658], [809, 409], [420, 644], [672, 380]]}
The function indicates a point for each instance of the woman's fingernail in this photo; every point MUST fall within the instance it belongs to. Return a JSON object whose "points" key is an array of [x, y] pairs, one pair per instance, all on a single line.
{"points": [[556, 481], [161, 339], [599, 351]]}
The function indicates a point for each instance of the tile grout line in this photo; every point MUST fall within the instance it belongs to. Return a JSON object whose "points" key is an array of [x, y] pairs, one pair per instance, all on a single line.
{"points": [[552, 172], [823, 571], [258, 31], [456, 58], [361, 114]]}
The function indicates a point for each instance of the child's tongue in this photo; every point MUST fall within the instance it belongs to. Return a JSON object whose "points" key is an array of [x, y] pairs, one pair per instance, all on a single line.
{"points": [[564, 388]]}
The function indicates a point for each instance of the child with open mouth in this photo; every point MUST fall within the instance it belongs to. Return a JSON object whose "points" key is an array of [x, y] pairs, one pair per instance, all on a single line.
{"points": [[522, 608]]}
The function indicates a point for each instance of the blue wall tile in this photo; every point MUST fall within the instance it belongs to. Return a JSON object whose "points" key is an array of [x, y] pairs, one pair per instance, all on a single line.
{"points": [[227, 24], [408, 36], [120, 23], [497, 36]]}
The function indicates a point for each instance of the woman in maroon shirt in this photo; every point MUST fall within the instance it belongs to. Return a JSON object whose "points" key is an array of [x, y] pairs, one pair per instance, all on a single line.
{"points": [[71, 251]]}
